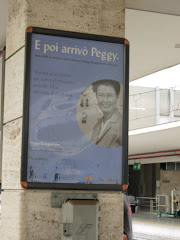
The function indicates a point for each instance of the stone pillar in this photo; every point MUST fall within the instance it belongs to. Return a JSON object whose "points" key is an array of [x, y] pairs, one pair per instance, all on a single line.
{"points": [[27, 214], [158, 178]]}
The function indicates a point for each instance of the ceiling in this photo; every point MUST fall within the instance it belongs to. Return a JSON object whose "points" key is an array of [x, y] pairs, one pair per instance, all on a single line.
{"points": [[158, 6], [154, 139], [153, 39], [152, 27]]}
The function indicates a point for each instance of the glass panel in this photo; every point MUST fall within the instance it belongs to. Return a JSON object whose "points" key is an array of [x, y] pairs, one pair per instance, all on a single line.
{"points": [[171, 166], [163, 166], [178, 166], [164, 102], [177, 103], [142, 103]]}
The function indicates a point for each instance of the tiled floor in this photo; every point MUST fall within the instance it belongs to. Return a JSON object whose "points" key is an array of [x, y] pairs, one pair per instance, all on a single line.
{"points": [[148, 226]]}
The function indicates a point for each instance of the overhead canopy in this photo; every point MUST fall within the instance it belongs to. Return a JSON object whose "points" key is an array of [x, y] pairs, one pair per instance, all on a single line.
{"points": [[154, 38], [159, 6]]}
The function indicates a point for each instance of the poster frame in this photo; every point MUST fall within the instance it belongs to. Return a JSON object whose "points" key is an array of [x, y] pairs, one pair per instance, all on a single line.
{"points": [[26, 102]]}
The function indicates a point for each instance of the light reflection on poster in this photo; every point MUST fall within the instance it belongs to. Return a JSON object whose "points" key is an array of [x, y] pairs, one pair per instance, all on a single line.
{"points": [[75, 115]]}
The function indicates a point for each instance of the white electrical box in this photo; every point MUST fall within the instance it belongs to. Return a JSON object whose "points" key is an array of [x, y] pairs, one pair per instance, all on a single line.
{"points": [[80, 220]]}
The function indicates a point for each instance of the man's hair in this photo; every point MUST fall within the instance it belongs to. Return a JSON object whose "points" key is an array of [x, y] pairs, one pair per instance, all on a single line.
{"points": [[107, 82]]}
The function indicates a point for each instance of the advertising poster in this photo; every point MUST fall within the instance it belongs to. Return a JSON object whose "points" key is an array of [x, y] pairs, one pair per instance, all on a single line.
{"points": [[74, 131]]}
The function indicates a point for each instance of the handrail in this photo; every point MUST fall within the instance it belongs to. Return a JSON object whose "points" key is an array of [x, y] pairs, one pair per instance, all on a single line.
{"points": [[146, 198], [149, 202]]}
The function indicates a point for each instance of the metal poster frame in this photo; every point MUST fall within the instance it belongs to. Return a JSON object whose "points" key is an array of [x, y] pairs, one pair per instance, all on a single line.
{"points": [[25, 131]]}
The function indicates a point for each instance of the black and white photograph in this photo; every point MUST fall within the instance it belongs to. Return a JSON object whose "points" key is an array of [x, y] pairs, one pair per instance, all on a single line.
{"points": [[99, 113]]}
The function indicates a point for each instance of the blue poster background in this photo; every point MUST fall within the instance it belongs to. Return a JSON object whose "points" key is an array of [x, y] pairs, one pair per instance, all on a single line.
{"points": [[61, 69]]}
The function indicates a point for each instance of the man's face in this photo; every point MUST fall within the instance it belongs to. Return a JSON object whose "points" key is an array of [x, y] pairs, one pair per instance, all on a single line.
{"points": [[106, 98]]}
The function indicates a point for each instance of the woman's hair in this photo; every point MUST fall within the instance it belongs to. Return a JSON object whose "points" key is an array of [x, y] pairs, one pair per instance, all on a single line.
{"points": [[107, 82]]}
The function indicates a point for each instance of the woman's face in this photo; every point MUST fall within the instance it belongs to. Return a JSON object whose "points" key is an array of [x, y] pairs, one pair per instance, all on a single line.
{"points": [[106, 98]]}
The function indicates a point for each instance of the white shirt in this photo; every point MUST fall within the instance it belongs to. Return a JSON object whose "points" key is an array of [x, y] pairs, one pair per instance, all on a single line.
{"points": [[103, 126]]}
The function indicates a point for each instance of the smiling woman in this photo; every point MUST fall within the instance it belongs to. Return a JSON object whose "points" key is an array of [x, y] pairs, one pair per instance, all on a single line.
{"points": [[108, 130], [103, 122]]}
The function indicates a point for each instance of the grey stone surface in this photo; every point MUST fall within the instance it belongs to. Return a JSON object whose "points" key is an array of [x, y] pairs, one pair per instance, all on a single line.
{"points": [[13, 224], [169, 181], [28, 215], [14, 82], [111, 224], [16, 25], [11, 163], [101, 17]]}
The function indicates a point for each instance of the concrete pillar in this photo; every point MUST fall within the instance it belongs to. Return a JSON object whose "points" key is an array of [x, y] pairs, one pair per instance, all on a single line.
{"points": [[157, 106], [157, 178], [171, 104], [27, 214]]}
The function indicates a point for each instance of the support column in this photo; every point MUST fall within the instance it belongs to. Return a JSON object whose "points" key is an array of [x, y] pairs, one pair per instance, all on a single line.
{"points": [[157, 106], [27, 214], [171, 104]]}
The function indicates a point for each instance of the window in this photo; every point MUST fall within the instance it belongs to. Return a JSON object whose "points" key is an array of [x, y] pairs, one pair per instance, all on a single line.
{"points": [[170, 166]]}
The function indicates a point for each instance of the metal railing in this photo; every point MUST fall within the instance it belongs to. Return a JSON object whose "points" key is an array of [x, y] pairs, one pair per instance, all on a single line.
{"points": [[147, 204]]}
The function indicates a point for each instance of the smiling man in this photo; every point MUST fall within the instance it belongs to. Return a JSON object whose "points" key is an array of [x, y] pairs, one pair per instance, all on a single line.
{"points": [[107, 132]]}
